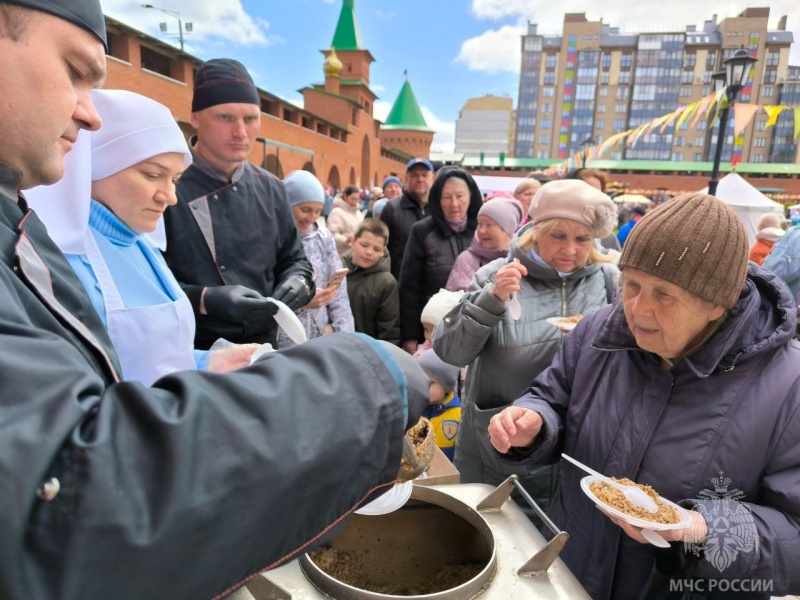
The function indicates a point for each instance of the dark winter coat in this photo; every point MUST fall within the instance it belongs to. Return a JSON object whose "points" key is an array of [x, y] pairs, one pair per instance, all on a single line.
{"points": [[374, 298], [400, 215], [237, 233], [182, 489], [431, 251], [728, 411]]}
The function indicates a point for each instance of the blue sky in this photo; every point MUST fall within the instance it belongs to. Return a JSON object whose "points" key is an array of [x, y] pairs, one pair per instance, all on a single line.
{"points": [[460, 48]]}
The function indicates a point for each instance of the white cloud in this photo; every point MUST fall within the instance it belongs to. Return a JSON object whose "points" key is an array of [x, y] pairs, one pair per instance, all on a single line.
{"points": [[633, 17], [212, 20], [381, 109], [493, 51], [444, 138], [376, 87], [385, 16]]}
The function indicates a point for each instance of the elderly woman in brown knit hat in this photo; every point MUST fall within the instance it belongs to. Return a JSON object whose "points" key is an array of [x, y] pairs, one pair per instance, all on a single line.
{"points": [[689, 383]]}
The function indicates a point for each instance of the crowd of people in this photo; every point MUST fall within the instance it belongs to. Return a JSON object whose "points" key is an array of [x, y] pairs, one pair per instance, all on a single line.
{"points": [[152, 404]]}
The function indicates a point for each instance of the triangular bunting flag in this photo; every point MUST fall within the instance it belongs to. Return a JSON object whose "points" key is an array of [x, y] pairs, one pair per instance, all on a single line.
{"points": [[671, 118], [772, 114], [796, 122], [688, 112], [701, 109], [742, 115]]}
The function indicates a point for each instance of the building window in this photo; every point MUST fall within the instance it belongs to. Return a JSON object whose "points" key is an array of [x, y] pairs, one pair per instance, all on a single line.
{"points": [[686, 91], [549, 92], [547, 108], [701, 125], [711, 60], [699, 141], [156, 62], [601, 108], [773, 58], [544, 139], [624, 77], [549, 78], [545, 123], [679, 141], [768, 91], [550, 61], [770, 76], [622, 93], [600, 124], [690, 59], [621, 108], [619, 125], [698, 156], [542, 154], [603, 92], [677, 157], [626, 61], [606, 60], [687, 76], [604, 78], [760, 142], [758, 158], [761, 125]]}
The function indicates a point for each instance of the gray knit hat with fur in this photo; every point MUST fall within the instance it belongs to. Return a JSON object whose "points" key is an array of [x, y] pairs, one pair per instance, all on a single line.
{"points": [[696, 242]]}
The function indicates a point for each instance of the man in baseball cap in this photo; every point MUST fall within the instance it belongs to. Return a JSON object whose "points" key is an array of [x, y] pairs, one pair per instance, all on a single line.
{"points": [[110, 489], [401, 213]]}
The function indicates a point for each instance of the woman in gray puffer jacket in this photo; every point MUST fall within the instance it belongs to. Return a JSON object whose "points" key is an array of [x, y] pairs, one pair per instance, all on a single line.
{"points": [[555, 271], [689, 383]]}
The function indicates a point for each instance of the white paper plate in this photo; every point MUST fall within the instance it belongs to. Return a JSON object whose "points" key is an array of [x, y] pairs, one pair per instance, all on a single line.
{"points": [[685, 521], [558, 322], [391, 501], [289, 322]]}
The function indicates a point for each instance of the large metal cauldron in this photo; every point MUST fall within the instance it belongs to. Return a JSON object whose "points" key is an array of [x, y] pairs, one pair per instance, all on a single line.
{"points": [[471, 524]]}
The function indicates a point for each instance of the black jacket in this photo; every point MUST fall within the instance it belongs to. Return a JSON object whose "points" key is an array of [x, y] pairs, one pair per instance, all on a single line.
{"points": [[222, 233], [400, 215], [431, 251], [182, 489]]}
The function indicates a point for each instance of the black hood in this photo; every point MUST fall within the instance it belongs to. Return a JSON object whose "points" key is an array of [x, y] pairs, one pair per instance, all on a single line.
{"points": [[435, 198]]}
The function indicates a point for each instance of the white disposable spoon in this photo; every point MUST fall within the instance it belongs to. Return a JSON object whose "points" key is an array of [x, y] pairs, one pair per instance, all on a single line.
{"points": [[633, 494]]}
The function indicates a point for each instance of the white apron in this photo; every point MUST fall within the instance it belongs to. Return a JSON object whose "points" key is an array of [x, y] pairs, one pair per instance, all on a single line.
{"points": [[151, 341]]}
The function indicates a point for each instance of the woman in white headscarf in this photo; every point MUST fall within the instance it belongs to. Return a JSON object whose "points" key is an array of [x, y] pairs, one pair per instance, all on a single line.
{"points": [[117, 184]]}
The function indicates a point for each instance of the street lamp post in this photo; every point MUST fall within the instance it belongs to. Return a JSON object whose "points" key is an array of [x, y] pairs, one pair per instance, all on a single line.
{"points": [[732, 79], [175, 14]]}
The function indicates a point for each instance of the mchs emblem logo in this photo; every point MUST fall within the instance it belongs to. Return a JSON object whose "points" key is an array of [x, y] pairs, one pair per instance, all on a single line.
{"points": [[731, 527]]}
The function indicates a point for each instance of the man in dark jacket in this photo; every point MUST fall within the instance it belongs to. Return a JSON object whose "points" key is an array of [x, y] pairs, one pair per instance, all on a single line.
{"points": [[110, 489], [689, 383], [231, 238], [433, 246], [401, 213]]}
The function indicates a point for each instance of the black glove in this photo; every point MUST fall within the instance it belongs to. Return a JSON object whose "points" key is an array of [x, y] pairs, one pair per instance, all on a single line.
{"points": [[293, 291], [418, 384], [237, 303]]}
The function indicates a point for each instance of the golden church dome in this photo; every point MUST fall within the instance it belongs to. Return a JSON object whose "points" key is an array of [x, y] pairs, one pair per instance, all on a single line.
{"points": [[332, 65]]}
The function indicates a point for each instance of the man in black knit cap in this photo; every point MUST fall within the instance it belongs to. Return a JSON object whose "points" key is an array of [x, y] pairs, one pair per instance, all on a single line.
{"points": [[187, 488], [231, 239]]}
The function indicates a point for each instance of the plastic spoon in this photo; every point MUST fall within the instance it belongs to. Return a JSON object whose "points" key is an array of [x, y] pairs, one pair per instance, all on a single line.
{"points": [[514, 308], [633, 494]]}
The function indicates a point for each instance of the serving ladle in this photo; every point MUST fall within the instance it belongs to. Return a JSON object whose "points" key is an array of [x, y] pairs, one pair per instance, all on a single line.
{"points": [[636, 496]]}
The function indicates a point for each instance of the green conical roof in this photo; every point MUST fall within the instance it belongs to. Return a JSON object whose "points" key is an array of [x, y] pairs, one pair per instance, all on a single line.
{"points": [[347, 36], [405, 113]]}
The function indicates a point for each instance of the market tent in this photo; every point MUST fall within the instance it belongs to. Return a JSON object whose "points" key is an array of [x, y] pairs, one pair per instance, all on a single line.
{"points": [[493, 183], [746, 200]]}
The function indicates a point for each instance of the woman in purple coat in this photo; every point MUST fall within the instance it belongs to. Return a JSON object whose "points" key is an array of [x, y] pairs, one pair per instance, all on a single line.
{"points": [[689, 383]]}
